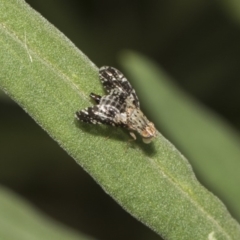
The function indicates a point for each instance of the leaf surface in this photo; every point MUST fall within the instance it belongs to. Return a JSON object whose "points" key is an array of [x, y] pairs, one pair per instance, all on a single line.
{"points": [[51, 80]]}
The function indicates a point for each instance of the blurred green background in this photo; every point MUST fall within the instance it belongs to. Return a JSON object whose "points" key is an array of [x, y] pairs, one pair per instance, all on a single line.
{"points": [[197, 42]]}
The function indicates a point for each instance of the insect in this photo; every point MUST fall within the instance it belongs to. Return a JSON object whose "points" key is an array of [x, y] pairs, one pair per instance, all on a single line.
{"points": [[120, 107]]}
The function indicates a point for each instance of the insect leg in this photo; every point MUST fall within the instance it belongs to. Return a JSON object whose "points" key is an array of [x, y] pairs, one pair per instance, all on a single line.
{"points": [[95, 97]]}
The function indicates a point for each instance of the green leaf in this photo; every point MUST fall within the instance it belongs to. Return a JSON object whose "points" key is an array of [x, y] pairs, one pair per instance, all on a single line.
{"points": [[210, 143], [20, 221], [231, 8], [51, 80]]}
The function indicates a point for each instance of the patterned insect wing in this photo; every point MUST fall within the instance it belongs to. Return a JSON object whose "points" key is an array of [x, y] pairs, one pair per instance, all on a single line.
{"points": [[106, 112], [113, 80]]}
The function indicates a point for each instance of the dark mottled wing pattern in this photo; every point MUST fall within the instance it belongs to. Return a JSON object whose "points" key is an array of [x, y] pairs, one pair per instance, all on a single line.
{"points": [[110, 106], [114, 81], [96, 115], [105, 112]]}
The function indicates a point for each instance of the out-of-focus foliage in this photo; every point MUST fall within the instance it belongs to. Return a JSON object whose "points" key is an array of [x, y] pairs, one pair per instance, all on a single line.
{"points": [[20, 221]]}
